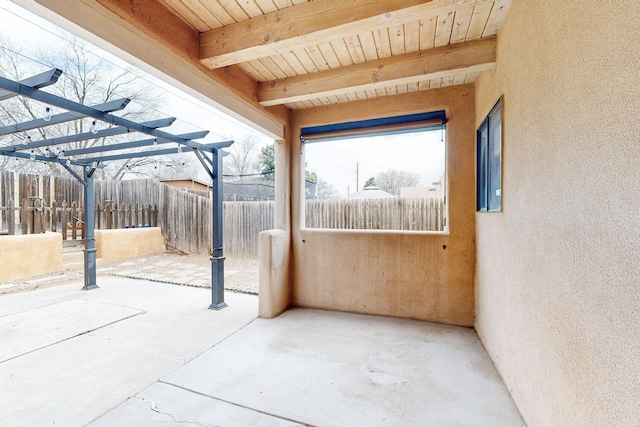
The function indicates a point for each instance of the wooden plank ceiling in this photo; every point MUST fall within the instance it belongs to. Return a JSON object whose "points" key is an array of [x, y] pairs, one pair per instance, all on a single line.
{"points": [[311, 53]]}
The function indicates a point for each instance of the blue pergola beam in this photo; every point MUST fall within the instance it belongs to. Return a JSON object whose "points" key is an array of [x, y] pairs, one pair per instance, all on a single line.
{"points": [[160, 152], [124, 156], [107, 107], [39, 157], [45, 79], [67, 104], [89, 167], [132, 144], [201, 156], [103, 133]]}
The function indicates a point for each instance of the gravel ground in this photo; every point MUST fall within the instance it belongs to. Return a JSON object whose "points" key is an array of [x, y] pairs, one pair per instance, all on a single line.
{"points": [[241, 275]]}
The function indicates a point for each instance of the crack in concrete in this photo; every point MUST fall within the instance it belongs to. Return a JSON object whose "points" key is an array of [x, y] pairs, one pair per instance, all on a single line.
{"points": [[154, 408]]}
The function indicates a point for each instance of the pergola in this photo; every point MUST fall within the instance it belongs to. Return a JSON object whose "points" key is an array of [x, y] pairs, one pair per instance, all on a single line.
{"points": [[83, 163]]}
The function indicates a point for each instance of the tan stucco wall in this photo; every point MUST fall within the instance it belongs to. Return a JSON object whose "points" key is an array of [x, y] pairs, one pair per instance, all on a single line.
{"points": [[399, 274], [29, 255], [115, 245], [274, 273], [558, 271]]}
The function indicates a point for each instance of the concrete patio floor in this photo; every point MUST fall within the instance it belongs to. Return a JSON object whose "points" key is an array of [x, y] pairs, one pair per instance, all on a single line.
{"points": [[139, 353]]}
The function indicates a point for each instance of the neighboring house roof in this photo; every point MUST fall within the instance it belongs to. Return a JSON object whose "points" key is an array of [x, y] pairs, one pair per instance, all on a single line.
{"points": [[371, 193], [189, 181]]}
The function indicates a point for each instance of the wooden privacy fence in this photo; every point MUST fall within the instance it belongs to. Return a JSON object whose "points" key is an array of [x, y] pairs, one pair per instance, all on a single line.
{"points": [[34, 217], [125, 216], [418, 214], [243, 222], [185, 217]]}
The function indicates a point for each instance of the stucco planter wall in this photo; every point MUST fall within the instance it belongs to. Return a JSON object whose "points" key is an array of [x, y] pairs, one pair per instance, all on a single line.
{"points": [[29, 255], [116, 245]]}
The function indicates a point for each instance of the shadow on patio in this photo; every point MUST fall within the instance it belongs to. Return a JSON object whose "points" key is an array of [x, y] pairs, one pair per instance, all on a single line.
{"points": [[136, 352]]}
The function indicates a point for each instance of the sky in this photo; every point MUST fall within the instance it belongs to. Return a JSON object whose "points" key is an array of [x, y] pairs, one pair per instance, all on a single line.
{"points": [[335, 162], [23, 28]]}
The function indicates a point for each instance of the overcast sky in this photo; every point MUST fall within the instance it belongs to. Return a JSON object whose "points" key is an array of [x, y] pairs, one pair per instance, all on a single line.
{"points": [[336, 161]]}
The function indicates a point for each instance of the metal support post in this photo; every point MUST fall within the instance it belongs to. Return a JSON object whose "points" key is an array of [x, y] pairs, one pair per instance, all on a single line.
{"points": [[217, 260], [89, 224]]}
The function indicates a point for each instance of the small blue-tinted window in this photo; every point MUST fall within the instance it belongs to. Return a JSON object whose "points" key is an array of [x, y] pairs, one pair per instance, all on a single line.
{"points": [[489, 162]]}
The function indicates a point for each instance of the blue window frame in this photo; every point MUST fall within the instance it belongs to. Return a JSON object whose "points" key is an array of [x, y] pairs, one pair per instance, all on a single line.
{"points": [[489, 162]]}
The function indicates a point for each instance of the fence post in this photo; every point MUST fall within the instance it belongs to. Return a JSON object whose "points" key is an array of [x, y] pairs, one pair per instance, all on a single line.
{"points": [[43, 222], [83, 221], [64, 218], [74, 216], [11, 217], [154, 216], [129, 223], [37, 225], [32, 219], [98, 217], [149, 210], [135, 216], [24, 217], [54, 216], [108, 220], [122, 215], [116, 215]]}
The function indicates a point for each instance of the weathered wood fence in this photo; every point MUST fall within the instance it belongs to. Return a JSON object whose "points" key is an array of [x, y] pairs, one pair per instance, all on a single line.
{"points": [[243, 222], [185, 217], [418, 214], [125, 216], [34, 217]]}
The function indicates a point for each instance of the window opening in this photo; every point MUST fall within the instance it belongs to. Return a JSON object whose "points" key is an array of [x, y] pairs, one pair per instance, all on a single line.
{"points": [[489, 162], [383, 174]]}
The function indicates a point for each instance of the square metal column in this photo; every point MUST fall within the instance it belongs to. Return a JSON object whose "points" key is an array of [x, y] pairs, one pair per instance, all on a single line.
{"points": [[217, 259], [89, 224]]}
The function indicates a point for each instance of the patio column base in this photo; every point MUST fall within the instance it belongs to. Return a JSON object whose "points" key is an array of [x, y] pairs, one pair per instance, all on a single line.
{"points": [[218, 306]]}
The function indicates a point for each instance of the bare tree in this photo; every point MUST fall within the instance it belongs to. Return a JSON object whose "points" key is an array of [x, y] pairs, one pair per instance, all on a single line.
{"points": [[88, 79], [182, 166], [392, 180], [243, 157]]}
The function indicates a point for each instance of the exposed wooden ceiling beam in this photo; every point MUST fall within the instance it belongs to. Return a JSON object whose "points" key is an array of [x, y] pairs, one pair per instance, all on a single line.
{"points": [[473, 56], [311, 23], [163, 45]]}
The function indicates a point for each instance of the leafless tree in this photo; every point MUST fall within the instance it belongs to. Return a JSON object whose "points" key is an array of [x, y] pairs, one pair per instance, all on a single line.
{"points": [[88, 79], [179, 166], [243, 157], [392, 180]]}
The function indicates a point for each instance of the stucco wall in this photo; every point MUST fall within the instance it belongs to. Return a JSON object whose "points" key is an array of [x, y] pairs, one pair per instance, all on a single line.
{"points": [[558, 271], [29, 255], [274, 273], [413, 275], [116, 245]]}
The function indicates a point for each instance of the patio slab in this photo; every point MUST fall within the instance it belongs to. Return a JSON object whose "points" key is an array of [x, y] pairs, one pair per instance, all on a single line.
{"points": [[164, 404], [34, 329], [79, 377], [335, 369], [135, 352]]}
